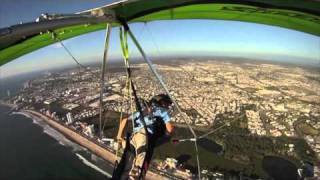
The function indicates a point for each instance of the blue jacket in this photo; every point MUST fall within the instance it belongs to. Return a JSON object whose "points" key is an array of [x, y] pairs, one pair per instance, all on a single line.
{"points": [[159, 112]]}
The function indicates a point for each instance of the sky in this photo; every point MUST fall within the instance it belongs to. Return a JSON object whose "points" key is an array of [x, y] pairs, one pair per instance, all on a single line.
{"points": [[167, 38]]}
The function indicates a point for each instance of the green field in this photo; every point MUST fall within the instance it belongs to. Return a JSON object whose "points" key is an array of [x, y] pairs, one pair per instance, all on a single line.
{"points": [[276, 17], [306, 129], [242, 151]]}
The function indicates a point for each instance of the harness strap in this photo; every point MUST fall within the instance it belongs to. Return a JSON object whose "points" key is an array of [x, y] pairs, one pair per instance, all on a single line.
{"points": [[125, 52]]}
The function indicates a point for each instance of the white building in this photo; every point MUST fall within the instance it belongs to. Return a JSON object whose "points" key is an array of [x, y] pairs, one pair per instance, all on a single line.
{"points": [[69, 118]]}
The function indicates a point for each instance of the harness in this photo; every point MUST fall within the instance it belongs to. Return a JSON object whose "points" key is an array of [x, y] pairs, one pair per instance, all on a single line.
{"points": [[157, 125]]}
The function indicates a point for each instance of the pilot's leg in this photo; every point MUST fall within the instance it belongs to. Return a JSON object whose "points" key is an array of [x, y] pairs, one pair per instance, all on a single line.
{"points": [[139, 141]]}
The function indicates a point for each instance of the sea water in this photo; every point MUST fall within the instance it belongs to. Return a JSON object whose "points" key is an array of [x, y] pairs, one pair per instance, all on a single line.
{"points": [[31, 149]]}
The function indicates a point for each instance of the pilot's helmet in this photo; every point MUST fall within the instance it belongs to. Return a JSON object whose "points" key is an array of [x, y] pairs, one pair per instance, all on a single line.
{"points": [[161, 100]]}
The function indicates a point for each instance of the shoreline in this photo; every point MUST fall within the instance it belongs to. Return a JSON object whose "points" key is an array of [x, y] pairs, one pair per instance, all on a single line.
{"points": [[3, 103], [100, 151]]}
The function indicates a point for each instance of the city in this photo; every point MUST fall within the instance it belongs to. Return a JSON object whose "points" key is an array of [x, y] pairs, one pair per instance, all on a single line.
{"points": [[254, 100]]}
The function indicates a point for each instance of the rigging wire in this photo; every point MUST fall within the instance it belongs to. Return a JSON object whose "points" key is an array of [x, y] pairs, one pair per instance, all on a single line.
{"points": [[220, 127], [175, 103], [210, 132], [86, 68], [159, 78], [54, 36], [128, 83], [158, 52], [161, 82], [124, 47], [128, 90], [125, 51], [195, 138], [153, 39]]}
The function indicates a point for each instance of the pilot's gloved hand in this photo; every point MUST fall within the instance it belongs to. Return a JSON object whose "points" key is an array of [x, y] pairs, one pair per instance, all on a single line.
{"points": [[120, 143]]}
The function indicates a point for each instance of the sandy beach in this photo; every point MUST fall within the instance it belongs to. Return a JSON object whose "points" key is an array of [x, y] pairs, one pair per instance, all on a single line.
{"points": [[81, 140]]}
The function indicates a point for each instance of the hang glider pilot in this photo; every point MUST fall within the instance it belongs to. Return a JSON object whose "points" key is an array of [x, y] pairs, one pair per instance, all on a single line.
{"points": [[157, 119]]}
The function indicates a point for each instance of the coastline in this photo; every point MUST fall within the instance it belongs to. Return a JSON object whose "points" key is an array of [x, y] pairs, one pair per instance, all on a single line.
{"points": [[81, 140], [3, 103]]}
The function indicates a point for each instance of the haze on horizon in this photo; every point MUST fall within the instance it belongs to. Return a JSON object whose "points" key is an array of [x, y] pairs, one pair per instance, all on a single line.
{"points": [[161, 39]]}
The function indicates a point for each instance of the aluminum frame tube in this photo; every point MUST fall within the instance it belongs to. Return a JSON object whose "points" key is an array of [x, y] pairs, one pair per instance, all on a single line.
{"points": [[103, 69]]}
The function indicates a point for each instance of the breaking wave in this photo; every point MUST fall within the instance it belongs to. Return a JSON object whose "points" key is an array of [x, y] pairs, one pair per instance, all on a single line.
{"points": [[65, 142], [53, 133], [88, 163]]}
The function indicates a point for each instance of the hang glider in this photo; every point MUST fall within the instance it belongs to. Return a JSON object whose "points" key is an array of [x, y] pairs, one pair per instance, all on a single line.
{"points": [[18, 40]]}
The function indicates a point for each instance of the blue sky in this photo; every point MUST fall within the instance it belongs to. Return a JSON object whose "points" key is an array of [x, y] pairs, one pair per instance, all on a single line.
{"points": [[163, 38]]}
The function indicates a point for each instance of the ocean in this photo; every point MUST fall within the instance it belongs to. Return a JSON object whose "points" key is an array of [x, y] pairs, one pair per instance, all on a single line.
{"points": [[30, 149]]}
